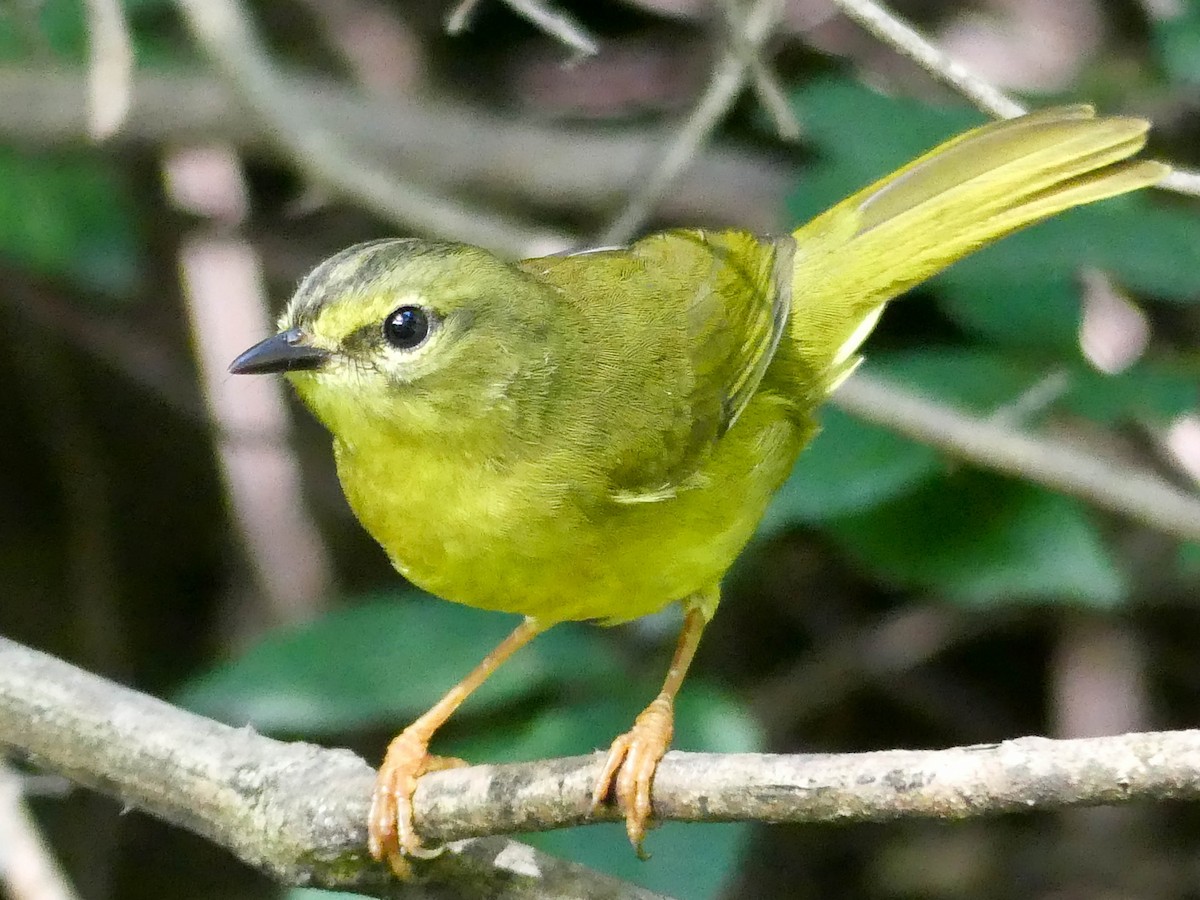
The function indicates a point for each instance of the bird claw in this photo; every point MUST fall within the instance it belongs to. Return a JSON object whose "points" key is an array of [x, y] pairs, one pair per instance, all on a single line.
{"points": [[391, 832], [629, 769]]}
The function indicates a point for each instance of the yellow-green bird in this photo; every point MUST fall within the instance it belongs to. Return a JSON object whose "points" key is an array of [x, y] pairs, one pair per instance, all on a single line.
{"points": [[596, 435]]}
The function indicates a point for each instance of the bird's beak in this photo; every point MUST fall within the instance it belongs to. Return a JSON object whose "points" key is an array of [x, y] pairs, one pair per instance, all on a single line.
{"points": [[284, 352]]}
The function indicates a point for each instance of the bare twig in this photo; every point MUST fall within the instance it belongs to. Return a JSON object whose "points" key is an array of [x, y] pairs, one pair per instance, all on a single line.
{"points": [[297, 811], [902, 37], [1132, 492], [766, 86], [460, 16], [555, 23], [28, 871], [728, 79], [1036, 398], [1181, 181], [224, 29], [110, 68]]}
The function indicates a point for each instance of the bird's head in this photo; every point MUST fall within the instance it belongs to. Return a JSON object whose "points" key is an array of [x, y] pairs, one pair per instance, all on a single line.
{"points": [[418, 336]]}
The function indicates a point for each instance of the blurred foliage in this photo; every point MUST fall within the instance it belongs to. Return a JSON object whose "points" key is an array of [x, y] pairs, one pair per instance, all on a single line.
{"points": [[70, 217], [69, 214], [868, 523]]}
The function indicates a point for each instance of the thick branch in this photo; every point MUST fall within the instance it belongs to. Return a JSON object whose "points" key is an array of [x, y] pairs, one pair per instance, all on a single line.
{"points": [[294, 810], [297, 810]]}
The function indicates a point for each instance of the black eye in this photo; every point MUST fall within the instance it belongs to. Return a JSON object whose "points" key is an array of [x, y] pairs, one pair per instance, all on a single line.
{"points": [[407, 327]]}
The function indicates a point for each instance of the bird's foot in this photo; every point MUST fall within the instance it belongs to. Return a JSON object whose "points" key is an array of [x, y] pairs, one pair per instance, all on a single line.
{"points": [[628, 771], [391, 832]]}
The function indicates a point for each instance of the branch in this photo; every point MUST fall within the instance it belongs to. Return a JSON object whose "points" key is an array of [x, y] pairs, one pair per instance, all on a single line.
{"points": [[558, 25], [908, 42], [771, 95], [1136, 493], [727, 81], [224, 30], [297, 811], [880, 21], [447, 143]]}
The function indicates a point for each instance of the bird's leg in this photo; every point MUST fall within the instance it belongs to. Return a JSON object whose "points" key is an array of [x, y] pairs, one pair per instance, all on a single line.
{"points": [[391, 833], [634, 756]]}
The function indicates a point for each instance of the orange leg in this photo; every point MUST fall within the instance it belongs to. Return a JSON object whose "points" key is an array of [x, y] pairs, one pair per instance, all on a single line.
{"points": [[391, 833], [634, 755]]}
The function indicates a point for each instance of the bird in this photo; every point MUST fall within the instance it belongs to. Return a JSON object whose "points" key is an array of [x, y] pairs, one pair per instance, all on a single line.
{"points": [[593, 436]]}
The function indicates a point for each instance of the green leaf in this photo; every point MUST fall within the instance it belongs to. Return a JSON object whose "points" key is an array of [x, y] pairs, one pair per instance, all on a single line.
{"points": [[971, 378], [983, 539], [384, 661], [862, 136], [1024, 289], [32, 31], [69, 216], [1149, 391], [852, 466], [54, 25], [691, 861], [1189, 559], [1018, 310], [1177, 39], [849, 467]]}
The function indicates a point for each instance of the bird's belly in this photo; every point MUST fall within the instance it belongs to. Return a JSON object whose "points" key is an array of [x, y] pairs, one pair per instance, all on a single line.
{"points": [[512, 542]]}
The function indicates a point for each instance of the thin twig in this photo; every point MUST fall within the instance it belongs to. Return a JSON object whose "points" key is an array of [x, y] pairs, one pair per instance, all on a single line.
{"points": [[906, 40], [297, 811], [556, 24], [224, 29], [110, 67], [902, 37], [1133, 492], [1035, 399], [728, 79], [28, 871], [460, 16], [766, 86], [1181, 181]]}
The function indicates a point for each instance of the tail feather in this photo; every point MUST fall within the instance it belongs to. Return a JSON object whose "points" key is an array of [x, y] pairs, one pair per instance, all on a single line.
{"points": [[959, 197]]}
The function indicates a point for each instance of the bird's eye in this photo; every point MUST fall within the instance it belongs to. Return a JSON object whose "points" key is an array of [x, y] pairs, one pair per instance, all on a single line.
{"points": [[407, 327]]}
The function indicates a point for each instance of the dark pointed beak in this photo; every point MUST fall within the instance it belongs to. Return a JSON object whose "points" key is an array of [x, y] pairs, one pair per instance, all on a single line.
{"points": [[284, 352]]}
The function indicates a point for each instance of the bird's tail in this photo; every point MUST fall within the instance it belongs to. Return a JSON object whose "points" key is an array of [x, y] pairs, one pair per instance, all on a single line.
{"points": [[957, 198]]}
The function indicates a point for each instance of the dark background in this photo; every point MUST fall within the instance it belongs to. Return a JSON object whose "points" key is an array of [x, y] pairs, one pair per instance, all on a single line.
{"points": [[184, 534]]}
